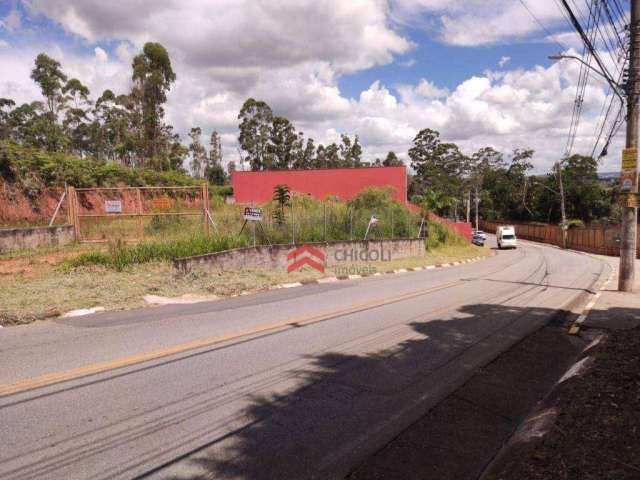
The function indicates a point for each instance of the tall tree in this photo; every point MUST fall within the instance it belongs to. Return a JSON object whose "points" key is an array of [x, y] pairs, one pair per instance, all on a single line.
{"points": [[306, 156], [214, 171], [49, 76], [76, 117], [6, 105], [439, 166], [283, 143], [198, 153], [152, 77], [256, 120], [392, 160]]}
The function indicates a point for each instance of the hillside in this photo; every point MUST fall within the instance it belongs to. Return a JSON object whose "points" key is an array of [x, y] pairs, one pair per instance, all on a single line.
{"points": [[31, 181]]}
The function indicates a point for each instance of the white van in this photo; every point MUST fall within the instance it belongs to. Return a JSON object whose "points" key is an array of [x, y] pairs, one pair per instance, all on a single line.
{"points": [[506, 236]]}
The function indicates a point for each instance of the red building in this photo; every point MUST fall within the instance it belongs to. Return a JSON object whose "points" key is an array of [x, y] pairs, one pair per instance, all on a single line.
{"points": [[344, 183]]}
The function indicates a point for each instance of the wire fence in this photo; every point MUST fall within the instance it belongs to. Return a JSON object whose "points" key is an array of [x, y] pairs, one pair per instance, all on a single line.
{"points": [[305, 220]]}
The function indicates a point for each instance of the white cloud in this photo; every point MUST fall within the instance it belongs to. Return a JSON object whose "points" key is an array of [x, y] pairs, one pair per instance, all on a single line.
{"points": [[503, 61], [292, 56], [428, 90], [12, 21], [408, 63], [101, 55], [477, 22], [241, 33]]}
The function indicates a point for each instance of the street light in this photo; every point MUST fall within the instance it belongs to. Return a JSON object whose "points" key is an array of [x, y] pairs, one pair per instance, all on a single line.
{"points": [[616, 88]]}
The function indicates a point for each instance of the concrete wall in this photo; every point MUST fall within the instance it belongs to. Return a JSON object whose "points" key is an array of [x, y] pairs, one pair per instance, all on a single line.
{"points": [[275, 257], [23, 238]]}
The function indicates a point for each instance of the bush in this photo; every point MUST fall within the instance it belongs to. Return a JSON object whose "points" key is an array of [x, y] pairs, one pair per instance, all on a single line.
{"points": [[36, 170], [121, 255], [439, 235]]}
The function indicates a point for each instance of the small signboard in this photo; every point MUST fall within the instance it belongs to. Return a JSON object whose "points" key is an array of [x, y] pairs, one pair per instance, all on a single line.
{"points": [[113, 206], [629, 174], [628, 179], [630, 159], [161, 203], [253, 214], [628, 200]]}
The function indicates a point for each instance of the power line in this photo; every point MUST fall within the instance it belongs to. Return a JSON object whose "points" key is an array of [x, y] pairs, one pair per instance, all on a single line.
{"points": [[551, 35], [588, 43]]}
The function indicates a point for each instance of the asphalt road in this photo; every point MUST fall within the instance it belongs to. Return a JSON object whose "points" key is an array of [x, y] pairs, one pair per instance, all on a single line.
{"points": [[287, 384]]}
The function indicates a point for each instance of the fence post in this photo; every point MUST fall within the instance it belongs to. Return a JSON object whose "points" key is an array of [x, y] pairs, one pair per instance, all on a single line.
{"points": [[350, 224], [73, 207], [69, 211], [293, 223], [204, 192], [324, 204], [140, 217], [392, 230]]}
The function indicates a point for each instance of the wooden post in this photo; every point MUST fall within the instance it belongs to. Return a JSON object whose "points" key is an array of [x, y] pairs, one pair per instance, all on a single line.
{"points": [[205, 207], [73, 207], [140, 211], [69, 211]]}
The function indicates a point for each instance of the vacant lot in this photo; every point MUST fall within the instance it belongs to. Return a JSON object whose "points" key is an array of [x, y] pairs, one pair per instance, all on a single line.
{"points": [[36, 285]]}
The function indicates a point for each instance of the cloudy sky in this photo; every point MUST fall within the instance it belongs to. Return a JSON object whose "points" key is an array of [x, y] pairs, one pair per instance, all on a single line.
{"points": [[475, 70]]}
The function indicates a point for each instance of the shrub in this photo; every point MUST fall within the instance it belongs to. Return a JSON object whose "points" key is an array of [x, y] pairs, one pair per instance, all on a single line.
{"points": [[121, 255], [439, 235]]}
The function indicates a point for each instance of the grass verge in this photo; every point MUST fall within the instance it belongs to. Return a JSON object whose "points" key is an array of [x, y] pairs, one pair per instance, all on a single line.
{"points": [[51, 291]]}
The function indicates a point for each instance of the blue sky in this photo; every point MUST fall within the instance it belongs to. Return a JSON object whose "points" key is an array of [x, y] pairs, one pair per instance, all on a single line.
{"points": [[331, 66]]}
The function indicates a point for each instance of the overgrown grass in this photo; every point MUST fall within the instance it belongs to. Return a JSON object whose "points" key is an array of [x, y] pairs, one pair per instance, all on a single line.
{"points": [[311, 221], [121, 255], [439, 235]]}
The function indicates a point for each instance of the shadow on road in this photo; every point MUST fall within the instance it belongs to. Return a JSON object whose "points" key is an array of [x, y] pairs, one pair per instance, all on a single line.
{"points": [[350, 403]]}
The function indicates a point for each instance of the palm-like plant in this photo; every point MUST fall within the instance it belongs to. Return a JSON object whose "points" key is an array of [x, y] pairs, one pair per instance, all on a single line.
{"points": [[282, 197]]}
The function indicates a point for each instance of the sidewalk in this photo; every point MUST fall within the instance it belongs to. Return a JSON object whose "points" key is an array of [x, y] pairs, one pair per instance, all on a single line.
{"points": [[594, 431], [616, 310], [586, 426]]}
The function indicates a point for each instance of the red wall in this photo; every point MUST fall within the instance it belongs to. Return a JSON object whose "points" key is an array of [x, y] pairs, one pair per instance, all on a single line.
{"points": [[345, 183]]}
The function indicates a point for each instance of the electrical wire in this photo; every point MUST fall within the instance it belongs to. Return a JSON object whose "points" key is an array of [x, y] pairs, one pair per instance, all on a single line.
{"points": [[551, 35]]}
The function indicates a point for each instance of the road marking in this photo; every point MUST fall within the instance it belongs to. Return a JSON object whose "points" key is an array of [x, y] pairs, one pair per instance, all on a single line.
{"points": [[296, 322]]}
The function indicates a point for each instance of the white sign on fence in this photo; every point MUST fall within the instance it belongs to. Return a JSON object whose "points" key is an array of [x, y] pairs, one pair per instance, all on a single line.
{"points": [[253, 214], [113, 206]]}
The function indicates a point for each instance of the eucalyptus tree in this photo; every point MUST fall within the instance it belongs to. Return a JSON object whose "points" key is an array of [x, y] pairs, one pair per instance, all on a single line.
{"points": [[198, 153], [152, 77], [214, 172], [256, 123]]}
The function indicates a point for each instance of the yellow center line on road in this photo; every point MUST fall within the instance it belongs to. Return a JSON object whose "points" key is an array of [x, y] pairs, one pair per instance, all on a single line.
{"points": [[101, 367]]}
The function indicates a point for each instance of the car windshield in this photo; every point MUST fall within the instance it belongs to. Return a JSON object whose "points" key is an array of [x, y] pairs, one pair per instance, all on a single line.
{"points": [[508, 237]]}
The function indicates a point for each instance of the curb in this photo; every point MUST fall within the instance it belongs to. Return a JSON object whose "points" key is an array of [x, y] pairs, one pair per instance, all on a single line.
{"points": [[377, 274], [331, 279], [575, 327]]}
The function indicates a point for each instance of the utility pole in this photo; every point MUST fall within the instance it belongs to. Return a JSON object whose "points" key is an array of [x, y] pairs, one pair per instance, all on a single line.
{"points": [[468, 205], [477, 200], [563, 212], [630, 214]]}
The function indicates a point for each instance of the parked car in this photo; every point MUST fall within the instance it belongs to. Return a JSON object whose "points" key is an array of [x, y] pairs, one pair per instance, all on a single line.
{"points": [[480, 234], [506, 236], [478, 239]]}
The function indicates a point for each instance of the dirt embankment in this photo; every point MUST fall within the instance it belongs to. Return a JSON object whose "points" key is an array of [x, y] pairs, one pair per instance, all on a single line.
{"points": [[18, 208]]}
